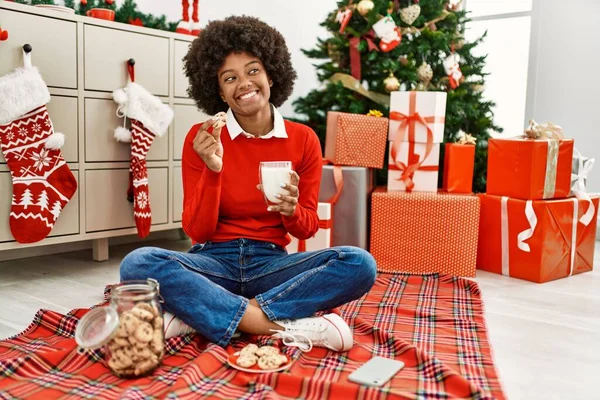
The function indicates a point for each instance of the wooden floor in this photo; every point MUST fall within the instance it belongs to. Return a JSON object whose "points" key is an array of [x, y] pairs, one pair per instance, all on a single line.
{"points": [[546, 338]]}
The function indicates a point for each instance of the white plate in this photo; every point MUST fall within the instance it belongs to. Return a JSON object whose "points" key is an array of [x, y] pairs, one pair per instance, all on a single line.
{"points": [[66, 10], [255, 370]]}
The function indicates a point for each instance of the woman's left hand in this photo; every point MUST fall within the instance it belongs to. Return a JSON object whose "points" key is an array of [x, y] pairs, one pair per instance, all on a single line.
{"points": [[288, 204]]}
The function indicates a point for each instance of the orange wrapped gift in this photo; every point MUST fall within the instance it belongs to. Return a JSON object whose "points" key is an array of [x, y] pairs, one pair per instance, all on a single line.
{"points": [[459, 162], [355, 139], [423, 232], [537, 240], [531, 169]]}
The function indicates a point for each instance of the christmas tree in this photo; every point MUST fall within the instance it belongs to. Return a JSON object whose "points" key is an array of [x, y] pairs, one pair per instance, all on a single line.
{"points": [[361, 67]]}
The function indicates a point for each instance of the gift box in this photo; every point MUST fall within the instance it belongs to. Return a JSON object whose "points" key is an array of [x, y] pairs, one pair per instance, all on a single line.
{"points": [[415, 167], [529, 169], [459, 162], [351, 212], [323, 237], [356, 140], [422, 233], [417, 116], [537, 240]]}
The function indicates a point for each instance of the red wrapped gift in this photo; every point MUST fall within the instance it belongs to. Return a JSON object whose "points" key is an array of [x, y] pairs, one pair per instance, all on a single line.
{"points": [[533, 167], [424, 232], [537, 240], [355, 139], [459, 162]]}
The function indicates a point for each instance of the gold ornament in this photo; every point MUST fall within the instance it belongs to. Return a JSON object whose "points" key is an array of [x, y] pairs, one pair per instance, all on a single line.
{"points": [[364, 7], [459, 43], [422, 86], [425, 72], [391, 83], [403, 60], [410, 14]]}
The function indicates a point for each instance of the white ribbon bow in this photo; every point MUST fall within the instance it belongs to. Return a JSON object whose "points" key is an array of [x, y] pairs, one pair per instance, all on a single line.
{"points": [[578, 187]]}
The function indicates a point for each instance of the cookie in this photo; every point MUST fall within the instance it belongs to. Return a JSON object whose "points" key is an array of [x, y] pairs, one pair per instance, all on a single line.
{"points": [[146, 307], [144, 332], [129, 321], [122, 332], [249, 350], [142, 314], [220, 120], [271, 361], [157, 343], [158, 323], [141, 353], [123, 356], [246, 361], [116, 365], [264, 350], [145, 366]]}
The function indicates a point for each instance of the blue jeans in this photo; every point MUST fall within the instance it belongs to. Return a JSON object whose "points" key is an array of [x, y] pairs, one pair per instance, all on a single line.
{"points": [[209, 287]]}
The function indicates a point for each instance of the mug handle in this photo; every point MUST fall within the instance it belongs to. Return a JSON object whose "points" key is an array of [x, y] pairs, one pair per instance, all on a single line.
{"points": [[90, 13]]}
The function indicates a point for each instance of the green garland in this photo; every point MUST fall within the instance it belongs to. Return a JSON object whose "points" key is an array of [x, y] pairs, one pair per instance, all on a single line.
{"points": [[127, 13]]}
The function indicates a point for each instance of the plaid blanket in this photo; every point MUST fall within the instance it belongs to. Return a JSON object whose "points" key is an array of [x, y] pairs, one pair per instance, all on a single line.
{"points": [[435, 324]]}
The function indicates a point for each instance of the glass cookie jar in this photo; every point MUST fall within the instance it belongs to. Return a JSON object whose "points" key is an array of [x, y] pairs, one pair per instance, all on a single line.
{"points": [[130, 329]]}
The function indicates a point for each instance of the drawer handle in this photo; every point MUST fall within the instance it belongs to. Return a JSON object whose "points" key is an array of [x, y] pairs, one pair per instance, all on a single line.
{"points": [[27, 48]]}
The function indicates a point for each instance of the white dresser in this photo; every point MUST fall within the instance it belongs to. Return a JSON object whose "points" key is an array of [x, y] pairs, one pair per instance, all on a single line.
{"points": [[82, 61]]}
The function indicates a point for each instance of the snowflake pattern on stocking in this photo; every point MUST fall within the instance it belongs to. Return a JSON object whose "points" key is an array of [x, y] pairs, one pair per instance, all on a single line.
{"points": [[141, 200], [40, 159]]}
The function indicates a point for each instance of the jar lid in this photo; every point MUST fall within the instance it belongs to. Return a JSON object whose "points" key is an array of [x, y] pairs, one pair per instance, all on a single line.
{"points": [[97, 328]]}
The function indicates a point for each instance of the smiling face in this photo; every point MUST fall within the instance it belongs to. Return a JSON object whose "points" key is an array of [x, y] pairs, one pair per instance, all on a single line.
{"points": [[244, 84]]}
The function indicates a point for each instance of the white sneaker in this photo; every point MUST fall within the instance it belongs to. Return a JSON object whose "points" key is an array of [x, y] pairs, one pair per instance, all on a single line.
{"points": [[174, 326], [329, 331]]}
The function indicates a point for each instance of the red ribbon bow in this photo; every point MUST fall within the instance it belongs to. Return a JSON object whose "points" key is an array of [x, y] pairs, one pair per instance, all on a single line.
{"points": [[355, 60], [414, 161]]}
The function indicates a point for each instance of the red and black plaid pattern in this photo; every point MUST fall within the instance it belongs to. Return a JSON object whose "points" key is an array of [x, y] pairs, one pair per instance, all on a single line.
{"points": [[435, 324]]}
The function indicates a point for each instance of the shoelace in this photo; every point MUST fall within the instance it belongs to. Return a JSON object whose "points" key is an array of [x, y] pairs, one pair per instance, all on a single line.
{"points": [[298, 340]]}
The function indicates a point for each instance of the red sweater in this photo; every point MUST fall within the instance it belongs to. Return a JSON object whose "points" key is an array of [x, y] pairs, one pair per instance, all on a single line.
{"points": [[226, 205]]}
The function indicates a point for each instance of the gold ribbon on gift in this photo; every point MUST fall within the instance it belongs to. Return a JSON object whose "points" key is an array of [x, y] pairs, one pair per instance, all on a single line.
{"points": [[553, 134], [466, 138], [350, 82]]}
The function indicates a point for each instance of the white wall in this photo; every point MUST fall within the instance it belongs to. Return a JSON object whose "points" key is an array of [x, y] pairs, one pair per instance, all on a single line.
{"points": [[298, 22], [563, 86]]}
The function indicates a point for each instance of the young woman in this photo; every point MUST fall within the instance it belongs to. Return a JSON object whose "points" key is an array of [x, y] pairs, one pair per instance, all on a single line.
{"points": [[238, 275]]}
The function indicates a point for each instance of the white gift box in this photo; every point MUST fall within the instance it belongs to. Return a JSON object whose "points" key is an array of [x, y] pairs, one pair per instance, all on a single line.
{"points": [[323, 237], [429, 105], [425, 178]]}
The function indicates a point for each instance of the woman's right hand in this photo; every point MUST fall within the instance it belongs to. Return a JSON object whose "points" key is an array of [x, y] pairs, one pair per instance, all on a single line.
{"points": [[209, 146]]}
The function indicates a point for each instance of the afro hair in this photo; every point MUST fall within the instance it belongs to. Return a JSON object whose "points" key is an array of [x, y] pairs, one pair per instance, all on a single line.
{"points": [[236, 34]]}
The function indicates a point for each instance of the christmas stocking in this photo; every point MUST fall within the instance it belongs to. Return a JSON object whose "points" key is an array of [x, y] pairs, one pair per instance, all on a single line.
{"points": [[195, 21], [184, 25], [42, 182], [149, 118]]}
